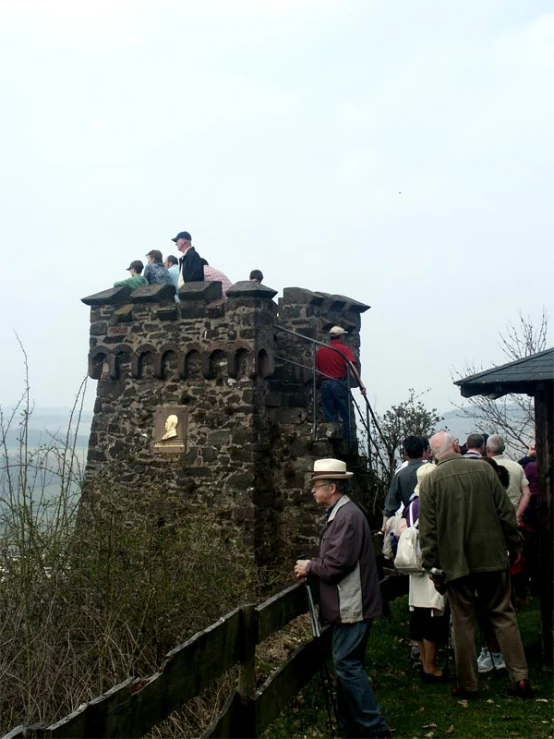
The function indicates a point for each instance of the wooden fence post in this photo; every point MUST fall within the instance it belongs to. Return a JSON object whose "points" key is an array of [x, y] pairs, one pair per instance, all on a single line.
{"points": [[247, 659], [247, 672]]}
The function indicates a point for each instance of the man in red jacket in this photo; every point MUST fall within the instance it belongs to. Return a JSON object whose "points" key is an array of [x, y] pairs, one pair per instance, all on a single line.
{"points": [[333, 363], [350, 596]]}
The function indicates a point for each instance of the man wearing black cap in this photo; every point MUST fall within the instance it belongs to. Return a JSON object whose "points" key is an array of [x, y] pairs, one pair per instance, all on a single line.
{"points": [[136, 279], [191, 268]]}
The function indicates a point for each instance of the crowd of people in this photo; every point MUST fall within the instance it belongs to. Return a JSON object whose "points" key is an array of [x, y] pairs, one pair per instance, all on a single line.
{"points": [[467, 513], [190, 267]]}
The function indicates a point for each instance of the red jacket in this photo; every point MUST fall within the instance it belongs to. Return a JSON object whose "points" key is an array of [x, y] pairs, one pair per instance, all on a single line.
{"points": [[331, 363]]}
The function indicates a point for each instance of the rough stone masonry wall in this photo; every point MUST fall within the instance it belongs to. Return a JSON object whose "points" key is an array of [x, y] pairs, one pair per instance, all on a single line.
{"points": [[250, 444], [291, 410]]}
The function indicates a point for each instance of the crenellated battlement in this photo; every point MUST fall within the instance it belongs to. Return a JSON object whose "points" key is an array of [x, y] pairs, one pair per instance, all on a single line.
{"points": [[146, 334]]}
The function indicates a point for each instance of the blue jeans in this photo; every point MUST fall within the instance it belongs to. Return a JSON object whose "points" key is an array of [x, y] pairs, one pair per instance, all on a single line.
{"points": [[335, 399], [358, 711]]}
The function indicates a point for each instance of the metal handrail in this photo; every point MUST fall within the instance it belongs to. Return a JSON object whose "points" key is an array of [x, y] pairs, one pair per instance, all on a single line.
{"points": [[369, 409], [365, 422]]}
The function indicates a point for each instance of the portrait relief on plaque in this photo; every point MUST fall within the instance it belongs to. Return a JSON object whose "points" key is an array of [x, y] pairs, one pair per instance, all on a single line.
{"points": [[170, 429]]}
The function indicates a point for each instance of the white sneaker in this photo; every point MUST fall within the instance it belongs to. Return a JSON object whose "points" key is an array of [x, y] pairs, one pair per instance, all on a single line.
{"points": [[498, 660], [332, 430], [484, 661], [489, 661]]}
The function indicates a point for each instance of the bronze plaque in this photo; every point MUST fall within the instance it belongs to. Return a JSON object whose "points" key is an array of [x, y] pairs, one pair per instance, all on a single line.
{"points": [[170, 429]]}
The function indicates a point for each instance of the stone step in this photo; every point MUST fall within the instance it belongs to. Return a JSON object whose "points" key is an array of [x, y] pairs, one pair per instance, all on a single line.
{"points": [[273, 399], [292, 415]]}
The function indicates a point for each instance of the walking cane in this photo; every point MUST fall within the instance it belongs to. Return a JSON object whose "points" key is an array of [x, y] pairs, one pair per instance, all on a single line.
{"points": [[323, 670], [316, 631]]}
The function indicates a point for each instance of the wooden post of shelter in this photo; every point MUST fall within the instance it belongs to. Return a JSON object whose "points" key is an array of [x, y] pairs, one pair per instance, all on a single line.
{"points": [[544, 440]]}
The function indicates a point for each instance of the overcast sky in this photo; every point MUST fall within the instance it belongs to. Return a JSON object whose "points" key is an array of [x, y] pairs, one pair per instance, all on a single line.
{"points": [[396, 151]]}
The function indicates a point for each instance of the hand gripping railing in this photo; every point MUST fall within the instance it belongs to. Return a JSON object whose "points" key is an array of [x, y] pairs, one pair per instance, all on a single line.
{"points": [[368, 409]]}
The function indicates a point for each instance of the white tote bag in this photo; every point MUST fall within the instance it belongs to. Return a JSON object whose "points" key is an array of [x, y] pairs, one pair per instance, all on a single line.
{"points": [[408, 555]]}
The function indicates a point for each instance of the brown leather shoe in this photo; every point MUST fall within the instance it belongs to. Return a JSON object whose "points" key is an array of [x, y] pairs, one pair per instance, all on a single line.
{"points": [[467, 695], [428, 677], [522, 689]]}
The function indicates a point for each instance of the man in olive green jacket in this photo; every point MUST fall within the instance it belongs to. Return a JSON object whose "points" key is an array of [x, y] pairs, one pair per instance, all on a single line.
{"points": [[467, 526]]}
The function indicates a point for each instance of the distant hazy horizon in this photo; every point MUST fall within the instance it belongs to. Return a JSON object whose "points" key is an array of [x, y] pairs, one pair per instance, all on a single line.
{"points": [[45, 421]]}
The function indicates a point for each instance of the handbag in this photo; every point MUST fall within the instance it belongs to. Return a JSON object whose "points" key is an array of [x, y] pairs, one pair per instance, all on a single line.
{"points": [[408, 554]]}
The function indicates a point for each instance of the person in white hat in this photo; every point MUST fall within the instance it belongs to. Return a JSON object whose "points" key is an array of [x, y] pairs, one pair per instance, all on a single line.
{"points": [[350, 596], [333, 363]]}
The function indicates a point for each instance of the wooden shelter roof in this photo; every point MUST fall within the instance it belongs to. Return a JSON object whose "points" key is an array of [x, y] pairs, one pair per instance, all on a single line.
{"points": [[520, 376]]}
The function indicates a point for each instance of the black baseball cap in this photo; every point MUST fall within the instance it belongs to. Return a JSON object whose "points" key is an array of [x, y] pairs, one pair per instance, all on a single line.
{"points": [[182, 235], [137, 265]]}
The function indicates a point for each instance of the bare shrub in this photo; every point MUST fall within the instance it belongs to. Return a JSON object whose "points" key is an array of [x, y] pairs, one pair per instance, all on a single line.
{"points": [[98, 589], [512, 415]]}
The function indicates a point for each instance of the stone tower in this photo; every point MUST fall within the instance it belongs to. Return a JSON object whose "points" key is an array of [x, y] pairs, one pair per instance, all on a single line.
{"points": [[209, 400]]}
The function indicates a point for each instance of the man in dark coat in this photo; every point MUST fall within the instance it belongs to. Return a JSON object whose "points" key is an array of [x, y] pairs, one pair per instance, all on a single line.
{"points": [[349, 596], [191, 268], [404, 480]]}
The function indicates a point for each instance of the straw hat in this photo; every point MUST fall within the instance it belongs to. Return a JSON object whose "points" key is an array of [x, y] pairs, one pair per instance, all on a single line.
{"points": [[330, 469]]}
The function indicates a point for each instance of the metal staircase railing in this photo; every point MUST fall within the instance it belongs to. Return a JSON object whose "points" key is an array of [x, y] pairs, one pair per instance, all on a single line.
{"points": [[369, 413]]}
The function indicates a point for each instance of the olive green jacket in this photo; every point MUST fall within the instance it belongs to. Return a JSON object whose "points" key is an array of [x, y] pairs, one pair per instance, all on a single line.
{"points": [[466, 521]]}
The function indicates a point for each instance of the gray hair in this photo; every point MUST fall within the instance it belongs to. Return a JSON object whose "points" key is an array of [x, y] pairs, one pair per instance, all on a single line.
{"points": [[442, 443], [343, 486], [495, 444]]}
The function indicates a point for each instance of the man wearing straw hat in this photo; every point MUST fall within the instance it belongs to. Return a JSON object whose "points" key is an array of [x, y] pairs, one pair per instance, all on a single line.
{"points": [[349, 596]]}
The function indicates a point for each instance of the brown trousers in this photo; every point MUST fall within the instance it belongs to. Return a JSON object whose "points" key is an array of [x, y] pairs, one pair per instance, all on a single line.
{"points": [[486, 593]]}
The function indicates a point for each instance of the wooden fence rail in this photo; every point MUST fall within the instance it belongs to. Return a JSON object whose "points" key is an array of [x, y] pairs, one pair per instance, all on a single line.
{"points": [[133, 707]]}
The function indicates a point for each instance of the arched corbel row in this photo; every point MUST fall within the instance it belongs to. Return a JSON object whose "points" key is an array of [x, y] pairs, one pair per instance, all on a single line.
{"points": [[105, 361]]}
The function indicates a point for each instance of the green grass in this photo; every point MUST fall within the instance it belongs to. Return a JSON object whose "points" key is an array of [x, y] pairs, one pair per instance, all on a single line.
{"points": [[413, 708]]}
